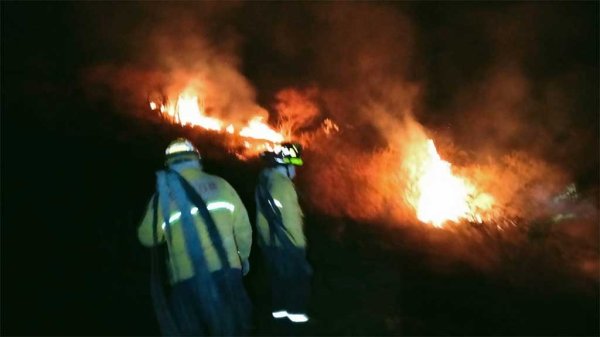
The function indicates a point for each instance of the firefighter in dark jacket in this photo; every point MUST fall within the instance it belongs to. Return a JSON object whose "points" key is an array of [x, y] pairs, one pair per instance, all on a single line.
{"points": [[206, 229], [281, 234]]}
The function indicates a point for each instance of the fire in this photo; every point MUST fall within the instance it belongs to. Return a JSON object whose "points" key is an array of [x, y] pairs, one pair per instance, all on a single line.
{"points": [[188, 109], [439, 196], [258, 130]]}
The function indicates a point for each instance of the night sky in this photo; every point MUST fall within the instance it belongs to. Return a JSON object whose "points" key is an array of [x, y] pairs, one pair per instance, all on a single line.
{"points": [[79, 149]]}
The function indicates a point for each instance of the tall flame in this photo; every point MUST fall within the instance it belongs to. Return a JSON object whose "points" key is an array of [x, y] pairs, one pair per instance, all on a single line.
{"points": [[439, 196]]}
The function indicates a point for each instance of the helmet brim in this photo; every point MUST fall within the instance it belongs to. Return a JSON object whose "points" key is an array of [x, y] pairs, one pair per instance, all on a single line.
{"points": [[181, 157]]}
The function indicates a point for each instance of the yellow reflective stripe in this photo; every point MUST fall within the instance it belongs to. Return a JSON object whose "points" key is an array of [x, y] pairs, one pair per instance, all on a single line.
{"points": [[220, 204], [174, 217], [211, 207]]}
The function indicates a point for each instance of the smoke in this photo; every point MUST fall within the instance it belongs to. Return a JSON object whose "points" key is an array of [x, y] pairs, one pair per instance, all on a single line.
{"points": [[518, 131], [360, 60], [180, 50], [504, 91], [529, 93], [363, 59], [513, 130], [529, 122], [296, 110]]}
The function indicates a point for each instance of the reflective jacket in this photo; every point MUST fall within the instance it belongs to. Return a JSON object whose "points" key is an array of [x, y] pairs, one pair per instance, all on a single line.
{"points": [[284, 195], [230, 217]]}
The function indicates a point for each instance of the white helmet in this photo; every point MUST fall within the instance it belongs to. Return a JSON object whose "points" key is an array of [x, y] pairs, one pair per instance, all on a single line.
{"points": [[181, 149]]}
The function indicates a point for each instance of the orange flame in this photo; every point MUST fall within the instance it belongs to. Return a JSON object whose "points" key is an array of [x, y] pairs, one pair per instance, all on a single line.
{"points": [[189, 110], [439, 196], [258, 130]]}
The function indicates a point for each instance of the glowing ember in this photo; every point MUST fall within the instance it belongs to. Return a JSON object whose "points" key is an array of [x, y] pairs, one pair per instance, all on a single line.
{"points": [[329, 126], [439, 196], [258, 130]]}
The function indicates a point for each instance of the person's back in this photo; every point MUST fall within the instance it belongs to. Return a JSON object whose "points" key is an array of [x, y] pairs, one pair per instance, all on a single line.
{"points": [[283, 192], [208, 235], [281, 237], [228, 213]]}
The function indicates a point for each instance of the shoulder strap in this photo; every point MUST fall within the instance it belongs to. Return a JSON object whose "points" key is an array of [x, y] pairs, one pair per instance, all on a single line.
{"points": [[272, 212], [211, 226], [207, 291], [228, 310], [276, 227]]}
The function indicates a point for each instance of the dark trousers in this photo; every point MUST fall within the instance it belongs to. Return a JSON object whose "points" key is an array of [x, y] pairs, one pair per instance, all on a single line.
{"points": [[290, 276], [225, 311]]}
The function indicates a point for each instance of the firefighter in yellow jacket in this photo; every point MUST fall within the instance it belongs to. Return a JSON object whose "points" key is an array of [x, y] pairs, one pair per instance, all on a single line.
{"points": [[281, 234], [208, 236]]}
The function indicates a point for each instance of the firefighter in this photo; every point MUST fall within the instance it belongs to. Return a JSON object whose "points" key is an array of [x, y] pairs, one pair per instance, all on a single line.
{"points": [[208, 237], [281, 235]]}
